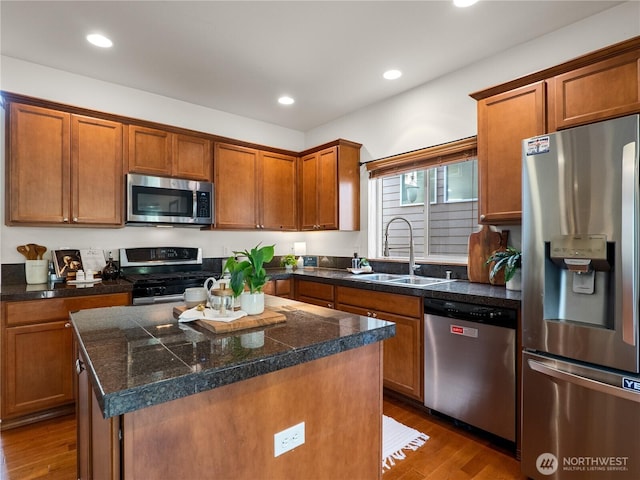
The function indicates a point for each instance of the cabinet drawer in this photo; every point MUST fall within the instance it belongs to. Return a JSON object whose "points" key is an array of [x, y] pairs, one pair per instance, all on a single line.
{"points": [[38, 311], [279, 288], [406, 305], [321, 291]]}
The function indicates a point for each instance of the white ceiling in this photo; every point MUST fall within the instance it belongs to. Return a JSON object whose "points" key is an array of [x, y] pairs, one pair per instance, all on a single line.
{"points": [[240, 56]]}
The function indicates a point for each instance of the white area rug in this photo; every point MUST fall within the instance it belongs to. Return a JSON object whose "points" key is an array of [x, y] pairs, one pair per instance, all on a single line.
{"points": [[397, 437]]}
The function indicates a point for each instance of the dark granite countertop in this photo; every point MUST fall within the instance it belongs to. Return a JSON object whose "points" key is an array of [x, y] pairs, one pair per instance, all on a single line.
{"points": [[459, 290], [138, 356], [23, 291]]}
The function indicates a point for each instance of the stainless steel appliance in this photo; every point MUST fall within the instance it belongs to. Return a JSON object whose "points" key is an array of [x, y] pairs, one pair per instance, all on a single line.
{"points": [[470, 364], [168, 201], [161, 274], [581, 382]]}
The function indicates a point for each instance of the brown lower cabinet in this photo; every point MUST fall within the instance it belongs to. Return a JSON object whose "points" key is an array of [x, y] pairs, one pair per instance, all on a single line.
{"points": [[228, 432], [315, 293], [280, 288], [38, 359], [403, 354]]}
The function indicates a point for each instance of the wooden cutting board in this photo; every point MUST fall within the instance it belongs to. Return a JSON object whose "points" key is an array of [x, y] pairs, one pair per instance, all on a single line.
{"points": [[481, 245], [268, 317]]}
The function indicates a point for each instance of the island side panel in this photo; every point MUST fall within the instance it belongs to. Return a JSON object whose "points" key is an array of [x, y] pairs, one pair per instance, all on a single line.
{"points": [[228, 432]]}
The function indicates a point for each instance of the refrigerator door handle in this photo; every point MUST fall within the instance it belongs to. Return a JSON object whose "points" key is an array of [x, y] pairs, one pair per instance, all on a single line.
{"points": [[583, 381], [629, 248]]}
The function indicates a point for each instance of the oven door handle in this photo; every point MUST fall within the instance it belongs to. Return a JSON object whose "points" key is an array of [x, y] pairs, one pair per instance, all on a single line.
{"points": [[178, 297], [583, 381]]}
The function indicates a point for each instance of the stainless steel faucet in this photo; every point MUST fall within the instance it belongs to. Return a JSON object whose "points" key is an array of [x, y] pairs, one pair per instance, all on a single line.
{"points": [[412, 260]]}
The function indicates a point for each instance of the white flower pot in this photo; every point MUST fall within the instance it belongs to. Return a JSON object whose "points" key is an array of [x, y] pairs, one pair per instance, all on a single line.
{"points": [[252, 303], [252, 340], [516, 281]]}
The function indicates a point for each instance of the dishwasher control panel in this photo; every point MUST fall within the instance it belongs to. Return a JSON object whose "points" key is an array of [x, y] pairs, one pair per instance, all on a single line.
{"points": [[499, 316]]}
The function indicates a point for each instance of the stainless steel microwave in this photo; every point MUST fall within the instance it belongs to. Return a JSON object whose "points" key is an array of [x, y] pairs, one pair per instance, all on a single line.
{"points": [[168, 201]]}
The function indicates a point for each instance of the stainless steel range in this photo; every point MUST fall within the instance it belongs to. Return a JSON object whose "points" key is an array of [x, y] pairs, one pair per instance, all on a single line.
{"points": [[161, 274]]}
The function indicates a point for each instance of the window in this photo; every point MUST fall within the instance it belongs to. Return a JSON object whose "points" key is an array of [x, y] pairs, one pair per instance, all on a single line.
{"points": [[441, 226], [461, 182]]}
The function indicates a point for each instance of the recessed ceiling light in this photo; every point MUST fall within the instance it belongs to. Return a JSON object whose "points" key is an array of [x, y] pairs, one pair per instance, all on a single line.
{"points": [[392, 74], [99, 40], [464, 3], [286, 100]]}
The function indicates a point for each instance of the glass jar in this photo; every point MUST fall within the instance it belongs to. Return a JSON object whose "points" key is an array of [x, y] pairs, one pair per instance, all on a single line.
{"points": [[111, 270]]}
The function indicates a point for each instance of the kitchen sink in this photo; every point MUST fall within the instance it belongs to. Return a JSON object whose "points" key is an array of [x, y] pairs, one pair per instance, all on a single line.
{"points": [[419, 280], [407, 280], [381, 277]]}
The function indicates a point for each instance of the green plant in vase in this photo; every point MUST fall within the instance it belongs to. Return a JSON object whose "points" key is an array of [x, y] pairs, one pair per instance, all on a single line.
{"points": [[509, 260], [288, 261], [250, 273]]}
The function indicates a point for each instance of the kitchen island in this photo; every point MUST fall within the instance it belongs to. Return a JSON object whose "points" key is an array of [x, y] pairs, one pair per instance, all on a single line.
{"points": [[162, 399]]}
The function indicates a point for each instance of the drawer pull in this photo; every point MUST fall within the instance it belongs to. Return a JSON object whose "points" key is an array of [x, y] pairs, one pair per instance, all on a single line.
{"points": [[79, 366]]}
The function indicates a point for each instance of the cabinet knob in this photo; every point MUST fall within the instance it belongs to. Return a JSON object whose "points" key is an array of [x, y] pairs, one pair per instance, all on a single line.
{"points": [[67, 325], [330, 305], [482, 217], [79, 366], [65, 220], [75, 219]]}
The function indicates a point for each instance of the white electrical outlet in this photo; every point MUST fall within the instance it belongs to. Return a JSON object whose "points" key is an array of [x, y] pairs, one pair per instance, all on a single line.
{"points": [[288, 439]]}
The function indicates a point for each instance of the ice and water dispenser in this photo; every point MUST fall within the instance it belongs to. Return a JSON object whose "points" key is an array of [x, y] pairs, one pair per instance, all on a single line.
{"points": [[578, 279]]}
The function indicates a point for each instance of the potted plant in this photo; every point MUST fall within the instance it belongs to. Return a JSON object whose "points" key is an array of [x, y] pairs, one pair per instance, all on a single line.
{"points": [[249, 273], [288, 261], [509, 260]]}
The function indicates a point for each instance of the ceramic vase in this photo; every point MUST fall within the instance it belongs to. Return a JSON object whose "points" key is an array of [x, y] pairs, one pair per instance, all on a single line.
{"points": [[252, 303], [516, 281]]}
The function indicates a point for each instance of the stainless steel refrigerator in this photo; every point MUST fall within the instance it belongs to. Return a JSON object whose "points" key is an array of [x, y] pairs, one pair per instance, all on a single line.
{"points": [[581, 381]]}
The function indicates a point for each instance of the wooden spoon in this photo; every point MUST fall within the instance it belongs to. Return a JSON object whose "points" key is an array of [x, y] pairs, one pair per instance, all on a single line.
{"points": [[40, 249], [23, 250], [33, 255]]}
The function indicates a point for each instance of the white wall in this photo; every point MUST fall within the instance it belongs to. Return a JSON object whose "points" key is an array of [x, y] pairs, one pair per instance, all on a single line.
{"points": [[437, 112], [442, 110]]}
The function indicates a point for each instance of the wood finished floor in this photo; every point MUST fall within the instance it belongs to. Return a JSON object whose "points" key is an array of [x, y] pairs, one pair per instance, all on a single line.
{"points": [[47, 450]]}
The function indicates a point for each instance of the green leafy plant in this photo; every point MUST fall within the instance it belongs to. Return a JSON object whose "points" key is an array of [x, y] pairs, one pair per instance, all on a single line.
{"points": [[249, 272], [510, 260], [288, 260]]}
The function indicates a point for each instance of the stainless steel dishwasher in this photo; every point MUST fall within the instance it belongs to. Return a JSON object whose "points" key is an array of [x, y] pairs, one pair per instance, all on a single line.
{"points": [[470, 364]]}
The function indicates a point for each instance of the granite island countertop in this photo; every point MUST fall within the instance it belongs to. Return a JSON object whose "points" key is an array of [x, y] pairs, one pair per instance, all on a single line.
{"points": [[138, 356]]}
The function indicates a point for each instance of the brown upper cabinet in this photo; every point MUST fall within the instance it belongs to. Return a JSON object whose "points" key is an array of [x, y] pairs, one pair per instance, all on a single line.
{"points": [[503, 118], [159, 152], [598, 86], [63, 169], [66, 165], [254, 189], [329, 185], [606, 89]]}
